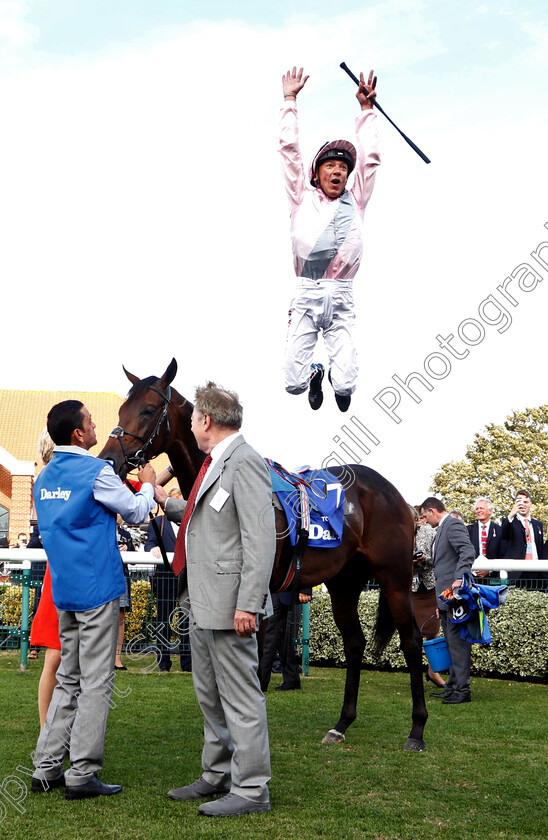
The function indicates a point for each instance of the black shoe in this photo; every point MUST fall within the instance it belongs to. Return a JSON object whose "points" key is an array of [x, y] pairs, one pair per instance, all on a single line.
{"points": [[277, 668], [442, 695], [288, 686], [315, 393], [47, 785], [343, 401], [91, 789], [120, 668], [458, 697]]}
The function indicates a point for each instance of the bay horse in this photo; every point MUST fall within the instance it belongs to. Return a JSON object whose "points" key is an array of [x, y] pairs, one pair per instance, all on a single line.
{"points": [[377, 538]]}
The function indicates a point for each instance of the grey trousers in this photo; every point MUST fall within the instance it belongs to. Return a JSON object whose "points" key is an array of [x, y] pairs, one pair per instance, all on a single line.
{"points": [[76, 721], [460, 650], [236, 750]]}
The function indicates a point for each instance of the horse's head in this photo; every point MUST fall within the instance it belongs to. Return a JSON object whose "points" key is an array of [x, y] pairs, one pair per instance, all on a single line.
{"points": [[145, 422]]}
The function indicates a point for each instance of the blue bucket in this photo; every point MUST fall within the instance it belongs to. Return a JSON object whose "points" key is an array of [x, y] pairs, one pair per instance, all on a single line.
{"points": [[437, 654]]}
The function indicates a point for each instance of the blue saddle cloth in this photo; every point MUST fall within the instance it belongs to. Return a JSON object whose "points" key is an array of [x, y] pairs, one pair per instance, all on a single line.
{"points": [[325, 495]]}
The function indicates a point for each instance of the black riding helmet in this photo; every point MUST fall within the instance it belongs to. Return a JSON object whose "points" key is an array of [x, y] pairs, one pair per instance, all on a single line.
{"points": [[335, 150]]}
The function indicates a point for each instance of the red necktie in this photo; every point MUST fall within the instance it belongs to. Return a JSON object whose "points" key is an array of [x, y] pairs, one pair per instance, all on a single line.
{"points": [[484, 540], [179, 556], [529, 548]]}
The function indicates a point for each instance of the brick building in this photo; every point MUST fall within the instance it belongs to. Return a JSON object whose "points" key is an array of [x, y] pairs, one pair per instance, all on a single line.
{"points": [[22, 419]]}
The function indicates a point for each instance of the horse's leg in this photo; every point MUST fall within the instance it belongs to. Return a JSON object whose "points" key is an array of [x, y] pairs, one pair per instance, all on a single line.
{"points": [[399, 604], [345, 593]]}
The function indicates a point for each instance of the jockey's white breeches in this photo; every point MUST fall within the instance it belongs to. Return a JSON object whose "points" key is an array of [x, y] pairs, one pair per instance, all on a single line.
{"points": [[327, 305]]}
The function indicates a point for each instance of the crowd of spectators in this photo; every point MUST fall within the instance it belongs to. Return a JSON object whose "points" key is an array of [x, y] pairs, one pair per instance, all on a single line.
{"points": [[519, 536]]}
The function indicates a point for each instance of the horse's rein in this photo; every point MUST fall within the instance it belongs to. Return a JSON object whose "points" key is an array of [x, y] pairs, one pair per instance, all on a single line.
{"points": [[157, 532], [140, 458]]}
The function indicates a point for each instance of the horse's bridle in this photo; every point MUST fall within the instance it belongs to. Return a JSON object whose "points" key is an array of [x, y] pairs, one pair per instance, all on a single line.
{"points": [[141, 456]]}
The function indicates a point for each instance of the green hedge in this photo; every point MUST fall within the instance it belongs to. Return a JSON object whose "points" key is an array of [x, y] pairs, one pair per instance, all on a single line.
{"points": [[519, 629], [11, 604], [143, 610]]}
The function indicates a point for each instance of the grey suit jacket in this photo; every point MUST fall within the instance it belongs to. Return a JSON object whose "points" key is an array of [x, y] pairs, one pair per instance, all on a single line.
{"points": [[230, 552], [452, 554]]}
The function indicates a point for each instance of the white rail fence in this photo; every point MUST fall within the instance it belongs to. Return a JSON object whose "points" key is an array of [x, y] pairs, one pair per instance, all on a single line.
{"points": [[18, 561]]}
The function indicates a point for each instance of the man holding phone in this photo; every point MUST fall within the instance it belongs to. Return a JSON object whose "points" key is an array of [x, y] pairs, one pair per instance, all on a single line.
{"points": [[524, 540]]}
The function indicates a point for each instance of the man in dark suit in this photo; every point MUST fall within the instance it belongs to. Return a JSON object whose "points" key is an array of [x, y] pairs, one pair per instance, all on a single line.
{"points": [[227, 539], [524, 541], [452, 557], [275, 640], [164, 589], [485, 535]]}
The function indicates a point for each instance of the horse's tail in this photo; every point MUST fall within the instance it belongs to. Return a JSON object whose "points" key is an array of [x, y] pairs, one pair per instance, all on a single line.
{"points": [[384, 626]]}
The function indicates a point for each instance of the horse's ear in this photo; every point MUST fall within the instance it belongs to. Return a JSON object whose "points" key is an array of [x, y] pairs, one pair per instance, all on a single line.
{"points": [[131, 376], [169, 375]]}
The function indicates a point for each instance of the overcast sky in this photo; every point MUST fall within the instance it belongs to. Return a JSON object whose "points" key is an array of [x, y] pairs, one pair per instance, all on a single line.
{"points": [[143, 214]]}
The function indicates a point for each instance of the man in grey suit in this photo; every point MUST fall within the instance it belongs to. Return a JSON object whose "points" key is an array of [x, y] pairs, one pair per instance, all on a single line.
{"points": [[452, 557], [229, 545]]}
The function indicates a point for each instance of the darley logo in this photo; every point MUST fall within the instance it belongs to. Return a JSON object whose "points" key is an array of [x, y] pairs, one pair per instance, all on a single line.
{"points": [[55, 494]]}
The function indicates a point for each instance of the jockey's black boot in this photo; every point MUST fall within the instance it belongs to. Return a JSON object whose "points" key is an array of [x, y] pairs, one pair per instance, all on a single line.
{"points": [[315, 393], [343, 401]]}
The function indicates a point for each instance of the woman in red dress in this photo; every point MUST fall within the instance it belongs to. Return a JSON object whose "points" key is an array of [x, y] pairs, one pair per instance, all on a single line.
{"points": [[45, 626]]}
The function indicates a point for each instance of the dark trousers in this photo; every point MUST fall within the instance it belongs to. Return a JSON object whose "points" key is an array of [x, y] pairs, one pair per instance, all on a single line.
{"points": [[459, 650], [274, 641], [164, 588]]}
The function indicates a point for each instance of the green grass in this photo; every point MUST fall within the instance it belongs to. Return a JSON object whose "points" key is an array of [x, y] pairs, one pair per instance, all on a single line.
{"points": [[483, 774]]}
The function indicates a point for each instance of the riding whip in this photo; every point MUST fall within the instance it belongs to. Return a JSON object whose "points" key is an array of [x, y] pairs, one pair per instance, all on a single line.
{"points": [[376, 105]]}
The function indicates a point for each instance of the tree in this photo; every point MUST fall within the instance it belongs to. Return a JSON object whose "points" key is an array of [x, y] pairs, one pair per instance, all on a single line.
{"points": [[500, 461]]}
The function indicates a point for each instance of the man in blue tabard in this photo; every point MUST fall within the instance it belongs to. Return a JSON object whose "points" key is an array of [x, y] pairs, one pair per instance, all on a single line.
{"points": [[77, 497]]}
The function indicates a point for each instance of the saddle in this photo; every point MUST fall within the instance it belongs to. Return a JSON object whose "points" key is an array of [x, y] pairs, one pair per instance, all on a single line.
{"points": [[312, 500]]}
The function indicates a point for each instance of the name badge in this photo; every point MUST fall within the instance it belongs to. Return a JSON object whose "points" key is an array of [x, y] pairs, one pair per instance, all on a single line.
{"points": [[219, 499]]}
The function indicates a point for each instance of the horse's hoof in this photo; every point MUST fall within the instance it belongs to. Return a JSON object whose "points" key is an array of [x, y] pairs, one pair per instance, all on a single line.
{"points": [[414, 745], [333, 737]]}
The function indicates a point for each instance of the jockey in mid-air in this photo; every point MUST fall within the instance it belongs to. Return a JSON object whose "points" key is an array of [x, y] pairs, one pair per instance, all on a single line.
{"points": [[326, 235]]}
